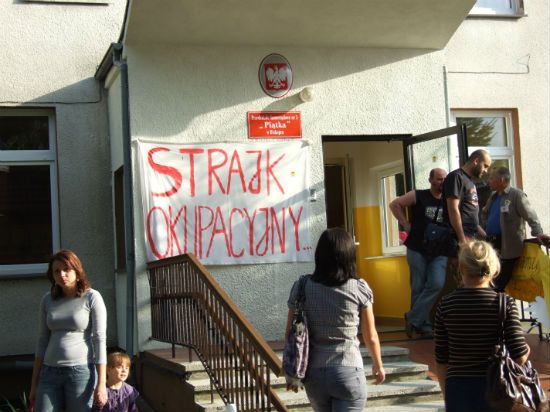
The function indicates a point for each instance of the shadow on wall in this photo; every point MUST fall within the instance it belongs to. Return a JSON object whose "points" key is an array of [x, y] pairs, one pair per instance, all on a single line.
{"points": [[177, 88]]}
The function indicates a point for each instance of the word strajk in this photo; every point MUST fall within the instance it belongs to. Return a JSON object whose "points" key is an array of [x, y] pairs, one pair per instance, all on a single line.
{"points": [[261, 177]]}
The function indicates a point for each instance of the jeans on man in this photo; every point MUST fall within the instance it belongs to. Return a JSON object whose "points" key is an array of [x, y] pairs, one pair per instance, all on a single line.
{"points": [[69, 388], [427, 277]]}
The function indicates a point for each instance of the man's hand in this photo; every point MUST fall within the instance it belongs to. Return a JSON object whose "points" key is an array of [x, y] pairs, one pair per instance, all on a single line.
{"points": [[481, 233], [544, 239]]}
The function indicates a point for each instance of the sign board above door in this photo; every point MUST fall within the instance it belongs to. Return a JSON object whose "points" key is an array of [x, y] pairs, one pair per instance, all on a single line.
{"points": [[274, 125]]}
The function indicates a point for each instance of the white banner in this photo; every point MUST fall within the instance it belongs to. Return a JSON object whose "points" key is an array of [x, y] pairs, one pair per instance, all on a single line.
{"points": [[227, 203]]}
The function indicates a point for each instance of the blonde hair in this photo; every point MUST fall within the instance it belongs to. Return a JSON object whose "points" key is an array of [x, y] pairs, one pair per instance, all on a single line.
{"points": [[118, 358], [478, 259]]}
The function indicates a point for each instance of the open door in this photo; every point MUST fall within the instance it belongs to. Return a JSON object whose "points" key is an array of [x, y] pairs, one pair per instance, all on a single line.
{"points": [[421, 153]]}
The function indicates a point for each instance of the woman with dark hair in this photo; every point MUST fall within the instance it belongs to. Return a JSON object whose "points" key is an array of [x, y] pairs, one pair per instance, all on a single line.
{"points": [[71, 346], [337, 303]]}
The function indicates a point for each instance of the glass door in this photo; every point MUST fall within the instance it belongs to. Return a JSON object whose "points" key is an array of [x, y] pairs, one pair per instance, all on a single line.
{"points": [[444, 148]]}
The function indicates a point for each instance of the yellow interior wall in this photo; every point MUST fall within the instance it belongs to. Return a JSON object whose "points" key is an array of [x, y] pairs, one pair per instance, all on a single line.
{"points": [[388, 277]]}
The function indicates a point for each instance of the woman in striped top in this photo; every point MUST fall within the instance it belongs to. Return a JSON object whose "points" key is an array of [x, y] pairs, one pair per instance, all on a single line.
{"points": [[466, 330]]}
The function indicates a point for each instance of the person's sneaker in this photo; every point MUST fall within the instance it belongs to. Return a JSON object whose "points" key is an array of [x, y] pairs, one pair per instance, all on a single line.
{"points": [[409, 327]]}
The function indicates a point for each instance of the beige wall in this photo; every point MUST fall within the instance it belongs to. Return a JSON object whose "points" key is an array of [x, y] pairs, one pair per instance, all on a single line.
{"points": [[49, 55], [504, 63], [202, 94]]}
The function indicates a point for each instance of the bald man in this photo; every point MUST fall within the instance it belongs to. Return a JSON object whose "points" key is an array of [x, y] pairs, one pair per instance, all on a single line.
{"points": [[427, 273], [461, 203]]}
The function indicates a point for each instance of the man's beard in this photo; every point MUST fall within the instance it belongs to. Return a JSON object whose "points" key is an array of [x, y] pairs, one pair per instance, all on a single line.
{"points": [[478, 170]]}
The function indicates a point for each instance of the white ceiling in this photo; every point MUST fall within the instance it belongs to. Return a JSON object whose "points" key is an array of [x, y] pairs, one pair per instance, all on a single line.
{"points": [[424, 24]]}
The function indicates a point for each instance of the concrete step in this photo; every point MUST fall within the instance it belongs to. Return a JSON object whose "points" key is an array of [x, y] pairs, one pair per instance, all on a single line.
{"points": [[426, 406], [409, 392], [390, 355], [398, 371], [433, 406]]}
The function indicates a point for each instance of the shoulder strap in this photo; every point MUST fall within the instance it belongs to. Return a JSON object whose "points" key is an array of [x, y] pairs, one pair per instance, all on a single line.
{"points": [[302, 288], [501, 316]]}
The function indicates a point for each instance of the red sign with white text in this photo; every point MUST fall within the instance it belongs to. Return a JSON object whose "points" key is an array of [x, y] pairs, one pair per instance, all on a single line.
{"points": [[274, 125]]}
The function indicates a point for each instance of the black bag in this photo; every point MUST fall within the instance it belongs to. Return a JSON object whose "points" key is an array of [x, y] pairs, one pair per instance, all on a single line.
{"points": [[512, 387], [439, 240], [296, 351]]}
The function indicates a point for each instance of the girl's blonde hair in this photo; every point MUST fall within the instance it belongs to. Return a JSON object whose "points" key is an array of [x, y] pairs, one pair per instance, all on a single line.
{"points": [[118, 358], [478, 259]]}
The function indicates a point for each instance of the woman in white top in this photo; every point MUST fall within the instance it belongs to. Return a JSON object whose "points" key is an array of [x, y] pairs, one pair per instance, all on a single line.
{"points": [[337, 304], [71, 348]]}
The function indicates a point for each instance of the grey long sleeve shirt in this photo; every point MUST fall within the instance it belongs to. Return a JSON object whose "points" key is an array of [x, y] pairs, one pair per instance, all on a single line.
{"points": [[72, 331], [515, 210]]}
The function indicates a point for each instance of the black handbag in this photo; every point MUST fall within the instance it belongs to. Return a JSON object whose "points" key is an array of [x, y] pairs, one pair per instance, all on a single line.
{"points": [[296, 350], [439, 240], [510, 386]]}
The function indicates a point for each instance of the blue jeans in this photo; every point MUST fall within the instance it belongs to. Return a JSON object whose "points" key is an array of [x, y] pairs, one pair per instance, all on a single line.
{"points": [[427, 277], [466, 395], [69, 388], [336, 388]]}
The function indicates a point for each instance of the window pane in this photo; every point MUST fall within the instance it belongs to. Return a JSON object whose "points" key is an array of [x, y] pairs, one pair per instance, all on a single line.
{"points": [[393, 186], [25, 214], [485, 131], [24, 133], [494, 7]]}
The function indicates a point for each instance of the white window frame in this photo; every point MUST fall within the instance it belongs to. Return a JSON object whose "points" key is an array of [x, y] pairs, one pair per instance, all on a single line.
{"points": [[496, 152], [484, 8], [381, 172], [33, 158]]}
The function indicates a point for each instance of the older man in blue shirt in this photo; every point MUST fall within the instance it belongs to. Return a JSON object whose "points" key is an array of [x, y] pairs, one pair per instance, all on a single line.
{"points": [[505, 214]]}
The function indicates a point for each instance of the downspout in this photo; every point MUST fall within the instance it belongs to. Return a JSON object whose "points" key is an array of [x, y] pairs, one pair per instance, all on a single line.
{"points": [[119, 62], [447, 113]]}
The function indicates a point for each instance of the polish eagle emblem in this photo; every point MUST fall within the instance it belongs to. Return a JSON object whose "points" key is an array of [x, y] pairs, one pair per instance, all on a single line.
{"points": [[277, 76]]}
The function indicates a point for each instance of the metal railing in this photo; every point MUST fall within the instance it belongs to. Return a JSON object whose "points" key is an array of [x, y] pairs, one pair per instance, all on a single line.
{"points": [[189, 308]]}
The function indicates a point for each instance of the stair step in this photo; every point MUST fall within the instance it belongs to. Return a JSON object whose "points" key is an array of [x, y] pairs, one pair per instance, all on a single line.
{"points": [[395, 371], [385, 394], [433, 406], [388, 352], [426, 406]]}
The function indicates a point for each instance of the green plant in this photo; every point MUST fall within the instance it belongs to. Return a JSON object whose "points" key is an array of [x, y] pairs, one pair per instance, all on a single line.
{"points": [[21, 406]]}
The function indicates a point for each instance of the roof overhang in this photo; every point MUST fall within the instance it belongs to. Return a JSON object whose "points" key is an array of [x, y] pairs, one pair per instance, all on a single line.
{"points": [[423, 24]]}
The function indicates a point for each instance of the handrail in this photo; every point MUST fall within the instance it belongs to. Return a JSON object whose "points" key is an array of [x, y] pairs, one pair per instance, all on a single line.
{"points": [[190, 308]]}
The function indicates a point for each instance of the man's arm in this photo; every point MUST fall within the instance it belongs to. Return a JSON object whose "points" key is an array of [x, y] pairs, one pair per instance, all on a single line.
{"points": [[455, 219], [530, 216], [398, 208]]}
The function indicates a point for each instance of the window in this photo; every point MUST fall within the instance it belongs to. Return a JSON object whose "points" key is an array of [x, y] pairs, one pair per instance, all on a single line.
{"points": [[392, 184], [497, 8], [28, 191], [493, 131]]}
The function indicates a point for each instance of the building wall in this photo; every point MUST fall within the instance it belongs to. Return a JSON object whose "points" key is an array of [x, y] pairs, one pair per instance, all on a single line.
{"points": [[202, 94], [504, 64], [49, 56]]}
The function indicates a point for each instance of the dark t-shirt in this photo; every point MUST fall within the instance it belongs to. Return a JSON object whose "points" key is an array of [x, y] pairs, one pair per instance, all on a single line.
{"points": [[458, 184], [422, 213]]}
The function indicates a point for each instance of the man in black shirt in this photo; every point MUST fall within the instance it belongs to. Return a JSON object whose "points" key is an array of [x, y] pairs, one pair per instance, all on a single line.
{"points": [[427, 273], [461, 207]]}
